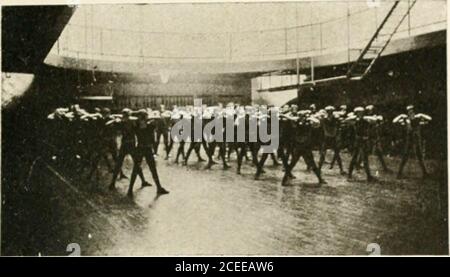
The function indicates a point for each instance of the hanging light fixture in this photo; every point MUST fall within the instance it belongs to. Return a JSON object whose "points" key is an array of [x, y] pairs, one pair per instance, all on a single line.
{"points": [[164, 74]]}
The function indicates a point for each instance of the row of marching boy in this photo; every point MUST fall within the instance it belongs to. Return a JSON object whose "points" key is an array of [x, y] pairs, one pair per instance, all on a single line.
{"points": [[82, 139]]}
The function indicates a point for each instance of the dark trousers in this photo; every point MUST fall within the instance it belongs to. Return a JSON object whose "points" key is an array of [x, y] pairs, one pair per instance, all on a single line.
{"points": [[195, 145], [222, 151], [306, 153], [379, 153], [106, 147], [180, 151], [242, 150], [125, 149], [412, 143], [361, 147], [330, 142], [285, 150], [263, 160], [140, 153], [165, 135]]}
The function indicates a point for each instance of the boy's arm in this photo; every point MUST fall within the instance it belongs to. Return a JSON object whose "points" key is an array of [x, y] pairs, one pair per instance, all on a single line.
{"points": [[350, 119], [423, 117], [315, 122], [113, 121], [398, 118]]}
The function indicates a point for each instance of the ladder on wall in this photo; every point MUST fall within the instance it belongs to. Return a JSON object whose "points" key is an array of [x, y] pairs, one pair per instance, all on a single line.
{"points": [[374, 48]]}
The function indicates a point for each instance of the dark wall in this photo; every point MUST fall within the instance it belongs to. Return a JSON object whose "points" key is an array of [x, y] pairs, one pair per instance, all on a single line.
{"points": [[413, 77], [140, 90], [417, 78], [22, 121], [181, 91]]}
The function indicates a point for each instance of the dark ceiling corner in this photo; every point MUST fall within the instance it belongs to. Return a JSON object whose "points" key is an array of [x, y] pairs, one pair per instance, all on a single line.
{"points": [[28, 34]]}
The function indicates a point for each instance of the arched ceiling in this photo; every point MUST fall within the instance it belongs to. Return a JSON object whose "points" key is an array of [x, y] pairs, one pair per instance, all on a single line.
{"points": [[217, 33]]}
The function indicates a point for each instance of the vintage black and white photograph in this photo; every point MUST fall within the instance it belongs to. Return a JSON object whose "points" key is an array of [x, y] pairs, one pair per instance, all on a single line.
{"points": [[224, 128]]}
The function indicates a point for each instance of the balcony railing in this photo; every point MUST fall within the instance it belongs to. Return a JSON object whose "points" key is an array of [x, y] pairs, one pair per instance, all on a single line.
{"points": [[336, 34]]}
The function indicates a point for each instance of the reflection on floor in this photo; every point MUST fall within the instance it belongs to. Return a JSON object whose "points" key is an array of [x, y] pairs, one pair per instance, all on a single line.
{"points": [[219, 212]]}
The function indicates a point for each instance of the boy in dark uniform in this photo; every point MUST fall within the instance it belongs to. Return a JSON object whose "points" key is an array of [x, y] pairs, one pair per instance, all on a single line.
{"points": [[304, 124], [218, 115], [266, 120], [330, 124], [196, 142], [375, 137], [126, 125], [413, 123], [243, 122], [162, 129], [361, 125], [145, 133]]}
